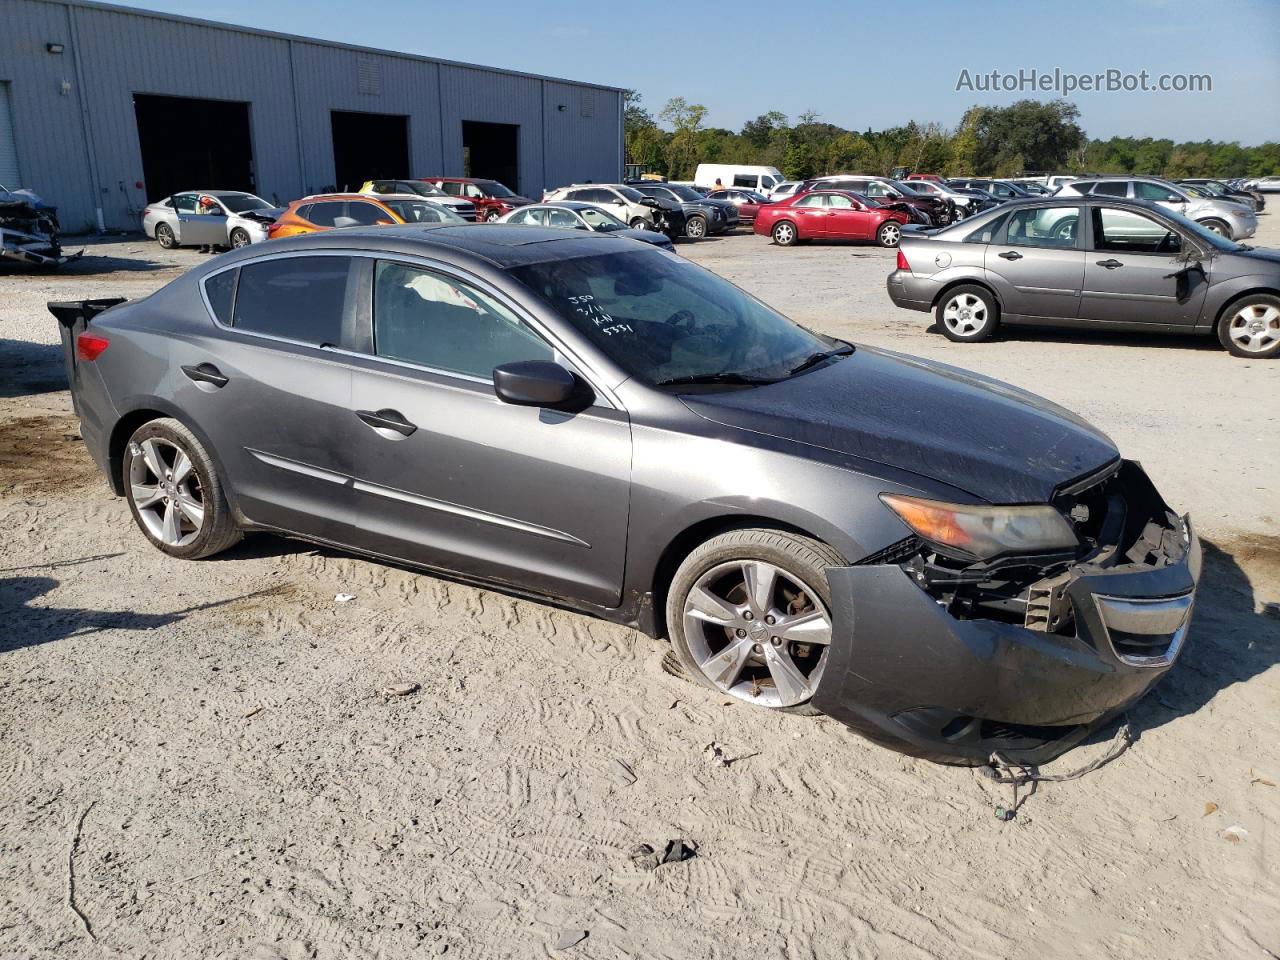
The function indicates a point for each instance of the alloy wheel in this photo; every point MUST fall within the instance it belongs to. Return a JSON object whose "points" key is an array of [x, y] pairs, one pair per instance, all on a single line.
{"points": [[757, 632], [890, 234], [965, 315], [784, 233], [165, 490], [696, 228], [1255, 328], [239, 239]]}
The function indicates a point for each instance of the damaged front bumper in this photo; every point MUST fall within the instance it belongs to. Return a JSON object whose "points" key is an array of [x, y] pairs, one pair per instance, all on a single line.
{"points": [[956, 675], [33, 248]]}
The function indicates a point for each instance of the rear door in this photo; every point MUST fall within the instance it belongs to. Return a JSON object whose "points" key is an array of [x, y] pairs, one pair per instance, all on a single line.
{"points": [[449, 476], [810, 215], [1136, 271], [274, 402], [1039, 265]]}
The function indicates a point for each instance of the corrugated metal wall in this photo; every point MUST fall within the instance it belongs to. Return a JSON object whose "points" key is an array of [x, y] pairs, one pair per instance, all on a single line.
{"points": [[77, 137]]}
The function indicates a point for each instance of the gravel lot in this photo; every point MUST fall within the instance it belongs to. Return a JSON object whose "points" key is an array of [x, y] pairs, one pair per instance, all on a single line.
{"points": [[198, 760]]}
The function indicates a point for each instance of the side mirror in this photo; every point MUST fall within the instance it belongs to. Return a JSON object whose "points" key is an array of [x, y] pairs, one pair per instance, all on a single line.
{"points": [[534, 383]]}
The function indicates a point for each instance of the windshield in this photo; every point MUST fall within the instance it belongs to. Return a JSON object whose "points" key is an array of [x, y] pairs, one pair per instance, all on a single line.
{"points": [[662, 318], [1204, 236], [684, 193], [635, 196], [600, 220], [242, 202], [424, 189], [492, 188], [415, 211]]}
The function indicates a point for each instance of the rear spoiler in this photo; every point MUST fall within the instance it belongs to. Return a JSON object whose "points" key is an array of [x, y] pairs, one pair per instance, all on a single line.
{"points": [[73, 316]]}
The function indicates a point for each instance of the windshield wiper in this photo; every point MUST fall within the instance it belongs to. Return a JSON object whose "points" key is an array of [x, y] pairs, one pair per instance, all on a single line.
{"points": [[817, 358], [714, 378]]}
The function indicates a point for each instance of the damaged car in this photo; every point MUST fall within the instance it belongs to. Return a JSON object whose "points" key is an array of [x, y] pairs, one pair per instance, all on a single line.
{"points": [[209, 218], [29, 230], [947, 564]]}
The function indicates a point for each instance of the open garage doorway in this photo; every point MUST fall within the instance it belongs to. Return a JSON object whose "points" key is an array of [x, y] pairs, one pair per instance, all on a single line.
{"points": [[491, 151], [369, 146], [190, 144]]}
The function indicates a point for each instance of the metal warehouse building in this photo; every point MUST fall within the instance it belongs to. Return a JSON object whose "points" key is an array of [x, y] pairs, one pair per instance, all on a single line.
{"points": [[105, 108]]}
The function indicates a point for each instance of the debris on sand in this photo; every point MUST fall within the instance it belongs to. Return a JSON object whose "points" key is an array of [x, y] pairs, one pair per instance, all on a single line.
{"points": [[400, 689], [569, 938], [716, 755], [343, 597], [1234, 834], [622, 773]]}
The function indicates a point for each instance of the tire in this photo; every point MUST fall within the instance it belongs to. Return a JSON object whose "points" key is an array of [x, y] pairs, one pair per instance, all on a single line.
{"points": [[239, 238], [968, 314], [1250, 327], [889, 234], [165, 237], [1216, 226], [785, 234], [492, 216], [166, 508], [695, 228], [640, 223], [717, 628]]}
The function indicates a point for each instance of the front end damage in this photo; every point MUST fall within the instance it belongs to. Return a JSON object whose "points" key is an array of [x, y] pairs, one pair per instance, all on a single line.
{"points": [[29, 232], [954, 659]]}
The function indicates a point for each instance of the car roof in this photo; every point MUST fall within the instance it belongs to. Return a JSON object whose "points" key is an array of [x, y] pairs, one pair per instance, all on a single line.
{"points": [[342, 196], [564, 205]]}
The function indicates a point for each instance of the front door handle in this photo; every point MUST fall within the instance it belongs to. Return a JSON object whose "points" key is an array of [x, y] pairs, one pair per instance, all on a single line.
{"points": [[1010, 255], [1110, 264], [387, 420], [205, 373]]}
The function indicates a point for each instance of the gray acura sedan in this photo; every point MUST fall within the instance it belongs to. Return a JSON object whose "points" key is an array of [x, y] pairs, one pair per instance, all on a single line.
{"points": [[1092, 261], [947, 564]]}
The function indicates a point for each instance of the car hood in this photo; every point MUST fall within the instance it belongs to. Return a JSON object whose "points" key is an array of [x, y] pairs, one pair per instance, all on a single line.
{"points": [[1265, 254], [985, 437]]}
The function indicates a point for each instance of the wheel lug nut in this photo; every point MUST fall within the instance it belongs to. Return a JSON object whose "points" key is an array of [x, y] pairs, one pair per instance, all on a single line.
{"points": [[770, 620], [748, 616], [740, 632], [776, 641], [756, 648]]}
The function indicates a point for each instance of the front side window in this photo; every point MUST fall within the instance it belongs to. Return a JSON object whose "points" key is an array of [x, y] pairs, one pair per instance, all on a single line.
{"points": [[1153, 191], [433, 320], [1125, 231], [420, 211], [298, 298], [662, 318], [877, 189], [599, 220], [839, 202], [1044, 227], [527, 216]]}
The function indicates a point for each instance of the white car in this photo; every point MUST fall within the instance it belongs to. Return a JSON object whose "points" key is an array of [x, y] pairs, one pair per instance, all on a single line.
{"points": [[782, 190], [757, 178], [626, 203], [208, 218]]}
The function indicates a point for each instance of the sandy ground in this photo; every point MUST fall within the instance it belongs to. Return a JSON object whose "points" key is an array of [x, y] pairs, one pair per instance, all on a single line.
{"points": [[203, 756]]}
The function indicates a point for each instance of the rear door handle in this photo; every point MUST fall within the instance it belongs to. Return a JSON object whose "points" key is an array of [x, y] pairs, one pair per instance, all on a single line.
{"points": [[1110, 264], [205, 373], [387, 420], [1010, 255]]}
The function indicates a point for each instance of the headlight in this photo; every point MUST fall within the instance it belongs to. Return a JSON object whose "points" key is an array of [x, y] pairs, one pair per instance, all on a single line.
{"points": [[984, 531]]}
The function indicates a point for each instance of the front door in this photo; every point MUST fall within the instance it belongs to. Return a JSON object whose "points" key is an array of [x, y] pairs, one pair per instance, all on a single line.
{"points": [[846, 219], [274, 404], [197, 225], [1136, 271], [449, 476], [1039, 264]]}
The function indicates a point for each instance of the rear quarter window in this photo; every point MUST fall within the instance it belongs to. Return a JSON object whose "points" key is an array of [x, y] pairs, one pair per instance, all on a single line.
{"points": [[220, 289], [297, 298]]}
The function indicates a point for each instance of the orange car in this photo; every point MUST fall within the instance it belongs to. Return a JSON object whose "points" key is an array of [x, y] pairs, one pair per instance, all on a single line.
{"points": [[326, 211]]}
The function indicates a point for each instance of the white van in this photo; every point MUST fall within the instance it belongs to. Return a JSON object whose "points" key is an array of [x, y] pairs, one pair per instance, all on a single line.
{"points": [[760, 179]]}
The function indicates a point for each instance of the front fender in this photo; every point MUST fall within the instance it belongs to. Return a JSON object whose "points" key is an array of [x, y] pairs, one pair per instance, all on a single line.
{"points": [[1223, 292]]}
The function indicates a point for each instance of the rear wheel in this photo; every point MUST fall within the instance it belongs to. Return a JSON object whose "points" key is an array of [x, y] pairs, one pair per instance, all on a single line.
{"points": [[889, 234], [1250, 327], [749, 616], [165, 237], [968, 314], [784, 234], [174, 492]]}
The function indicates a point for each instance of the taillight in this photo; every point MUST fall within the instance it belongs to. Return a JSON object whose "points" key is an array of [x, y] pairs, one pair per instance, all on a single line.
{"points": [[89, 347], [902, 260]]}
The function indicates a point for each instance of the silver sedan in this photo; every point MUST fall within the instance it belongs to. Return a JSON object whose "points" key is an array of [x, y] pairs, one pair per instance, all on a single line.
{"points": [[208, 218]]}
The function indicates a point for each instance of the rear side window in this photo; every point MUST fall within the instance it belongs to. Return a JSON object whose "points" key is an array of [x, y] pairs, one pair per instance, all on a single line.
{"points": [[298, 298], [745, 180], [451, 188], [1110, 188], [221, 291], [1044, 227]]}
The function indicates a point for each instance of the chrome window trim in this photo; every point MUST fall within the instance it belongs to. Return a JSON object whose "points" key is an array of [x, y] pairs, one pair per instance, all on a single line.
{"points": [[593, 377]]}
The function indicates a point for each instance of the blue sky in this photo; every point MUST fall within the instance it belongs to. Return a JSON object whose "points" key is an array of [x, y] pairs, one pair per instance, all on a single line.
{"points": [[860, 65]]}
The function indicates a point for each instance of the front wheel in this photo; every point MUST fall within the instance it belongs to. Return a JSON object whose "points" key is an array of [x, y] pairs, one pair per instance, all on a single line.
{"points": [[968, 314], [492, 216], [749, 616], [640, 223], [784, 234], [696, 228], [1217, 226], [174, 492], [165, 237], [1250, 327], [889, 234], [239, 238]]}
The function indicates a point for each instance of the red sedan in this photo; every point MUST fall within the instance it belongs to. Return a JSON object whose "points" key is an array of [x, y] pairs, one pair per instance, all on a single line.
{"points": [[829, 215]]}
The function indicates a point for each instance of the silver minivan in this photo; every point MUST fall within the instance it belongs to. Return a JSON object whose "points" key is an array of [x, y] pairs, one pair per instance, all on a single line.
{"points": [[1234, 221]]}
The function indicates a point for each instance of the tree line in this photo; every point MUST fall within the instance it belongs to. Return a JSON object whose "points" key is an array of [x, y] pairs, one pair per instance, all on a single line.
{"points": [[1026, 137]]}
